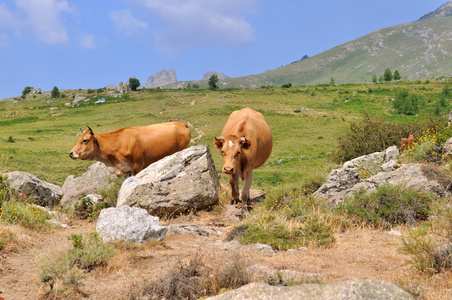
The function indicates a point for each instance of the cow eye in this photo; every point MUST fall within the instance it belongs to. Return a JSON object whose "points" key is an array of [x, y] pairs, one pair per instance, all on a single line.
{"points": [[222, 153], [84, 141]]}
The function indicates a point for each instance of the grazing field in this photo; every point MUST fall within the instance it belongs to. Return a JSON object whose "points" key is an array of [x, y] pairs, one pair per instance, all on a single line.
{"points": [[38, 132], [314, 129]]}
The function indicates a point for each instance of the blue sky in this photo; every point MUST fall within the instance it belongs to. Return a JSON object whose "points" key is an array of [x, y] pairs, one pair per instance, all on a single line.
{"points": [[92, 43]]}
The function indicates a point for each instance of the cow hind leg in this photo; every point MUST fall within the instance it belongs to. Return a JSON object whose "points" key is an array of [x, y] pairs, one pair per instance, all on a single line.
{"points": [[234, 182], [246, 189]]}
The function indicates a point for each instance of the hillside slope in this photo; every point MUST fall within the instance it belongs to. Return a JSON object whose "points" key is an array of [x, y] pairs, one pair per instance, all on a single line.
{"points": [[420, 49]]}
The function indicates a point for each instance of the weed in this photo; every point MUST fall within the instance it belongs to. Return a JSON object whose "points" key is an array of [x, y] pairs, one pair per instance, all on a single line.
{"points": [[389, 205], [65, 273]]}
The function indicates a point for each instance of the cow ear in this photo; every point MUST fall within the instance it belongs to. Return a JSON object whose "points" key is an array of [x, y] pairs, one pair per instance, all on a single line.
{"points": [[219, 142], [246, 143]]}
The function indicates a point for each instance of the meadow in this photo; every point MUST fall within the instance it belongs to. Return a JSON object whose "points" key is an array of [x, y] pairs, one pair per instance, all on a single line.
{"points": [[315, 128], [38, 132]]}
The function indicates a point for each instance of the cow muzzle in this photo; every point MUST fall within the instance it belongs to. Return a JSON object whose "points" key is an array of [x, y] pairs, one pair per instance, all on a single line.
{"points": [[73, 155], [228, 170]]}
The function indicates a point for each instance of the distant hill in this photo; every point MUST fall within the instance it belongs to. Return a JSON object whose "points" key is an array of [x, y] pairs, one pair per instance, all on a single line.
{"points": [[444, 11], [421, 49]]}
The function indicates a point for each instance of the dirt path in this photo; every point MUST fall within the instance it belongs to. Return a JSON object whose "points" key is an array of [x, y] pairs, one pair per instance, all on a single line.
{"points": [[355, 254], [19, 269]]}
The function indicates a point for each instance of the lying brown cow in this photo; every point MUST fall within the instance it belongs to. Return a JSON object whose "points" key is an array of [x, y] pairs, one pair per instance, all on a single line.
{"points": [[245, 144], [131, 149]]}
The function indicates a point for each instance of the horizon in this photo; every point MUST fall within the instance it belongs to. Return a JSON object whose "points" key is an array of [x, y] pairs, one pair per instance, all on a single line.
{"points": [[91, 45]]}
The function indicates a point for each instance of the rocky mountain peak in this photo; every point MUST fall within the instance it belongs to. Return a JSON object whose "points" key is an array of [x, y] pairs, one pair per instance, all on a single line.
{"points": [[161, 78], [444, 11], [207, 75]]}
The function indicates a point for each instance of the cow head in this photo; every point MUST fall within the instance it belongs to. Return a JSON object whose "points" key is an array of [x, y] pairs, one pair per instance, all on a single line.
{"points": [[86, 147], [232, 148]]}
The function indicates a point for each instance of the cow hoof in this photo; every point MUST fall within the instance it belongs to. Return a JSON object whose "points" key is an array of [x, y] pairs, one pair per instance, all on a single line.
{"points": [[235, 201]]}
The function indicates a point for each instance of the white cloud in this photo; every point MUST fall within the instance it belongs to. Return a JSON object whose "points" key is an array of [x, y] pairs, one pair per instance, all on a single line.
{"points": [[87, 41], [44, 18], [202, 23], [126, 22]]}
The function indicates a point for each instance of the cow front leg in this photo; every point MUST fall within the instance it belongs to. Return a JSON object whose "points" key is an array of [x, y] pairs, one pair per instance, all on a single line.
{"points": [[246, 189], [234, 182]]}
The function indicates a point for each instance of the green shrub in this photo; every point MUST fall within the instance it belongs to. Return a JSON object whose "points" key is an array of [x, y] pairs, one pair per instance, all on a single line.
{"points": [[406, 103], [389, 205], [372, 134], [14, 209], [66, 272]]}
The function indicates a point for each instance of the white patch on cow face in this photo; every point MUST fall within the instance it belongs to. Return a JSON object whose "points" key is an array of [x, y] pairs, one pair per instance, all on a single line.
{"points": [[231, 143]]}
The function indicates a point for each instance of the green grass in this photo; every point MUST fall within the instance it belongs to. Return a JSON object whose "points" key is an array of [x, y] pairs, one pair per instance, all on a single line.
{"points": [[306, 122]]}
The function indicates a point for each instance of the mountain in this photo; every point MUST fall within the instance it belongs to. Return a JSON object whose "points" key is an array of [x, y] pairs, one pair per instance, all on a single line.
{"points": [[207, 75], [444, 11], [420, 49], [161, 78]]}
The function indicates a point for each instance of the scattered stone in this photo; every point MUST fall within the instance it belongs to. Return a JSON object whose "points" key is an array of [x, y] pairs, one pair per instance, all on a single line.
{"points": [[97, 177], [348, 290], [41, 192], [129, 224], [192, 229]]}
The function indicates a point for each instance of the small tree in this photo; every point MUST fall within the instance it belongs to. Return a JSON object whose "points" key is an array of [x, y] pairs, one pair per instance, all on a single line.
{"points": [[406, 103], [213, 80], [286, 85], [134, 83], [374, 79], [387, 75], [396, 75], [332, 81], [381, 79], [55, 92], [26, 91]]}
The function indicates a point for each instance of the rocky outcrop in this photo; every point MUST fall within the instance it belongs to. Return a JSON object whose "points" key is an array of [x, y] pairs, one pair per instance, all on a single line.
{"points": [[42, 193], [128, 224], [161, 78], [341, 181], [371, 171], [348, 290], [207, 75], [443, 11], [184, 181], [123, 87], [97, 177]]}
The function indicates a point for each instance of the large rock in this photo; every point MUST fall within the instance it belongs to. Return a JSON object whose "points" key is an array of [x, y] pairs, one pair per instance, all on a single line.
{"points": [[42, 193], [161, 78], [348, 290], [341, 181], [129, 224], [184, 181], [97, 177], [410, 175]]}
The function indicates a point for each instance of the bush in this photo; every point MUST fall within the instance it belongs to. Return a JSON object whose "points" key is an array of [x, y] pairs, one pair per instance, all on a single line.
{"points": [[65, 272], [406, 103], [374, 134], [286, 85], [389, 205]]}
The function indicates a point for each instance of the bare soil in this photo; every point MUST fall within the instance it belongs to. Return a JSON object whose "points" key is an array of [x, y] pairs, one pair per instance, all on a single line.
{"points": [[356, 253]]}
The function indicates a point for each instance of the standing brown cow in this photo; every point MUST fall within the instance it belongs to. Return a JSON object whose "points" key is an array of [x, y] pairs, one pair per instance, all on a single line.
{"points": [[131, 149], [245, 144]]}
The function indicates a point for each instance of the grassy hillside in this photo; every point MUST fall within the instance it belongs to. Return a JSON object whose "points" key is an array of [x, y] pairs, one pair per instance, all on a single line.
{"points": [[37, 134], [417, 50]]}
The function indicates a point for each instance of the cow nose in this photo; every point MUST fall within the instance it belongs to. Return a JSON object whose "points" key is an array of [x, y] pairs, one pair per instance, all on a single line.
{"points": [[71, 154], [228, 170]]}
